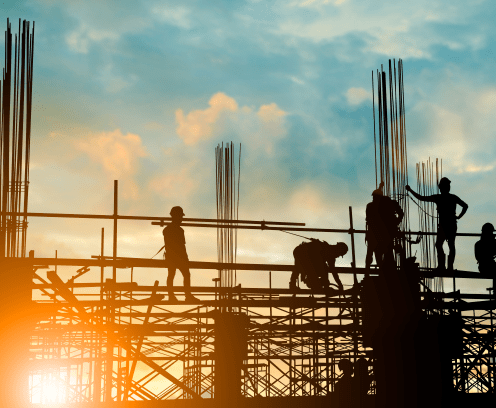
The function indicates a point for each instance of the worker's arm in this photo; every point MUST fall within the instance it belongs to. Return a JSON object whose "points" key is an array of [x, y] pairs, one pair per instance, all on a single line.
{"points": [[418, 196], [166, 240], [477, 251], [464, 206], [399, 212], [335, 275]]}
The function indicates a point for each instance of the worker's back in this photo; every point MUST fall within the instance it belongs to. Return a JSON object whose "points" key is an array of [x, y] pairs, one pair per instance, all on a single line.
{"points": [[175, 243], [485, 251], [309, 256], [383, 216]]}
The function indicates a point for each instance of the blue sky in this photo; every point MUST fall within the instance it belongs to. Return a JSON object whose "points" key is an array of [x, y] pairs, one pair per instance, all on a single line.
{"points": [[144, 91]]}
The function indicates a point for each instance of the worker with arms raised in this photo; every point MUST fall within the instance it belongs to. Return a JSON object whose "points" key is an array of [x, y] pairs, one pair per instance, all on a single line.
{"points": [[447, 220]]}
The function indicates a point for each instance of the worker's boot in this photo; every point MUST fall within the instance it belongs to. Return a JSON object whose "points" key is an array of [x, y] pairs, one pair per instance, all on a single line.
{"points": [[292, 285], [172, 297], [441, 266]]}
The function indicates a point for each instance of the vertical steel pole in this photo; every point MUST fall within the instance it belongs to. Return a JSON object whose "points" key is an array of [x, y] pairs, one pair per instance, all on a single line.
{"points": [[114, 243]]}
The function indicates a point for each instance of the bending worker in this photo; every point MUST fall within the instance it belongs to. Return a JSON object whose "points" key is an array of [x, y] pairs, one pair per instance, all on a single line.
{"points": [[175, 254], [446, 227], [314, 261]]}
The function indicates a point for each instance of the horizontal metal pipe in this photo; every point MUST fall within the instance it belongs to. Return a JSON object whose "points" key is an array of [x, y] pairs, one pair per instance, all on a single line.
{"points": [[148, 218]]}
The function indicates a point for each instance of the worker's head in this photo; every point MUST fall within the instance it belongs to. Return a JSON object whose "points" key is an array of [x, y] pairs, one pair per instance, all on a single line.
{"points": [[346, 366], [177, 213], [488, 229], [342, 248], [445, 185], [378, 193]]}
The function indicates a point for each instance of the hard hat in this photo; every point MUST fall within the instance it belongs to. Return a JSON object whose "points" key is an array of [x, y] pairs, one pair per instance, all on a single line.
{"points": [[487, 228], [444, 180], [378, 191], [342, 247], [176, 212]]}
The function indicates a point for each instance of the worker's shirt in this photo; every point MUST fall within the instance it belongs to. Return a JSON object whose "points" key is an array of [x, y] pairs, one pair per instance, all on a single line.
{"points": [[446, 207], [485, 251], [175, 243], [382, 217]]}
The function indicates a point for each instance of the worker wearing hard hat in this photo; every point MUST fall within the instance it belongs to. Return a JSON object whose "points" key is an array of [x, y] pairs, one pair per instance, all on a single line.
{"points": [[176, 255], [485, 252], [383, 215], [447, 220]]}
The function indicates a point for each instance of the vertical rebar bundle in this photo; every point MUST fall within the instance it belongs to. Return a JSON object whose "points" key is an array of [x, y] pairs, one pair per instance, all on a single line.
{"points": [[391, 165], [227, 189], [428, 178], [16, 90]]}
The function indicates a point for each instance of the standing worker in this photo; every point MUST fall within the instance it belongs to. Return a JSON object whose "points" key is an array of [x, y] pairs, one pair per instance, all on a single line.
{"points": [[446, 224], [175, 254], [383, 215], [485, 252]]}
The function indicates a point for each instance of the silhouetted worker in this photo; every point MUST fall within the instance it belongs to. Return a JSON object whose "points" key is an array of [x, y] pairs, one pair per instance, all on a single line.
{"points": [[361, 380], [175, 253], [383, 215], [344, 387], [314, 261], [446, 224], [485, 252]]}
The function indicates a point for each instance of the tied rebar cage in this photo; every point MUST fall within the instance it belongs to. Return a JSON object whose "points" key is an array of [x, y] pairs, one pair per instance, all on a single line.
{"points": [[16, 89], [227, 198], [428, 176], [391, 164]]}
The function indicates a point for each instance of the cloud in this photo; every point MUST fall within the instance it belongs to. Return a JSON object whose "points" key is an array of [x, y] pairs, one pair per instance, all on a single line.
{"points": [[174, 185], [356, 96], [113, 82], [198, 124], [390, 28], [80, 39], [271, 113], [224, 117], [117, 154], [177, 16], [458, 125]]}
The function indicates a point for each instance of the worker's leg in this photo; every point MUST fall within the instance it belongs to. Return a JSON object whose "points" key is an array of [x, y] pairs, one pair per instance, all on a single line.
{"points": [[187, 283], [379, 255], [439, 248], [170, 282], [450, 237], [187, 278], [388, 259], [368, 257]]}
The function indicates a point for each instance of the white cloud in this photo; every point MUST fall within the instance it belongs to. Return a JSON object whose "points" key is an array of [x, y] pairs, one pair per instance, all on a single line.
{"points": [[113, 82], [176, 16], [117, 154], [356, 96], [389, 28], [80, 39], [460, 123], [223, 116]]}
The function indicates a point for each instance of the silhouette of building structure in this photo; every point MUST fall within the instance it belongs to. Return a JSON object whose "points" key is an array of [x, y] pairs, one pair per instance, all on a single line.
{"points": [[115, 340]]}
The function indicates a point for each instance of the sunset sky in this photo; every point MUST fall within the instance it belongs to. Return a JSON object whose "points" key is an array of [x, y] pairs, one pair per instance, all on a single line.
{"points": [[143, 91]]}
